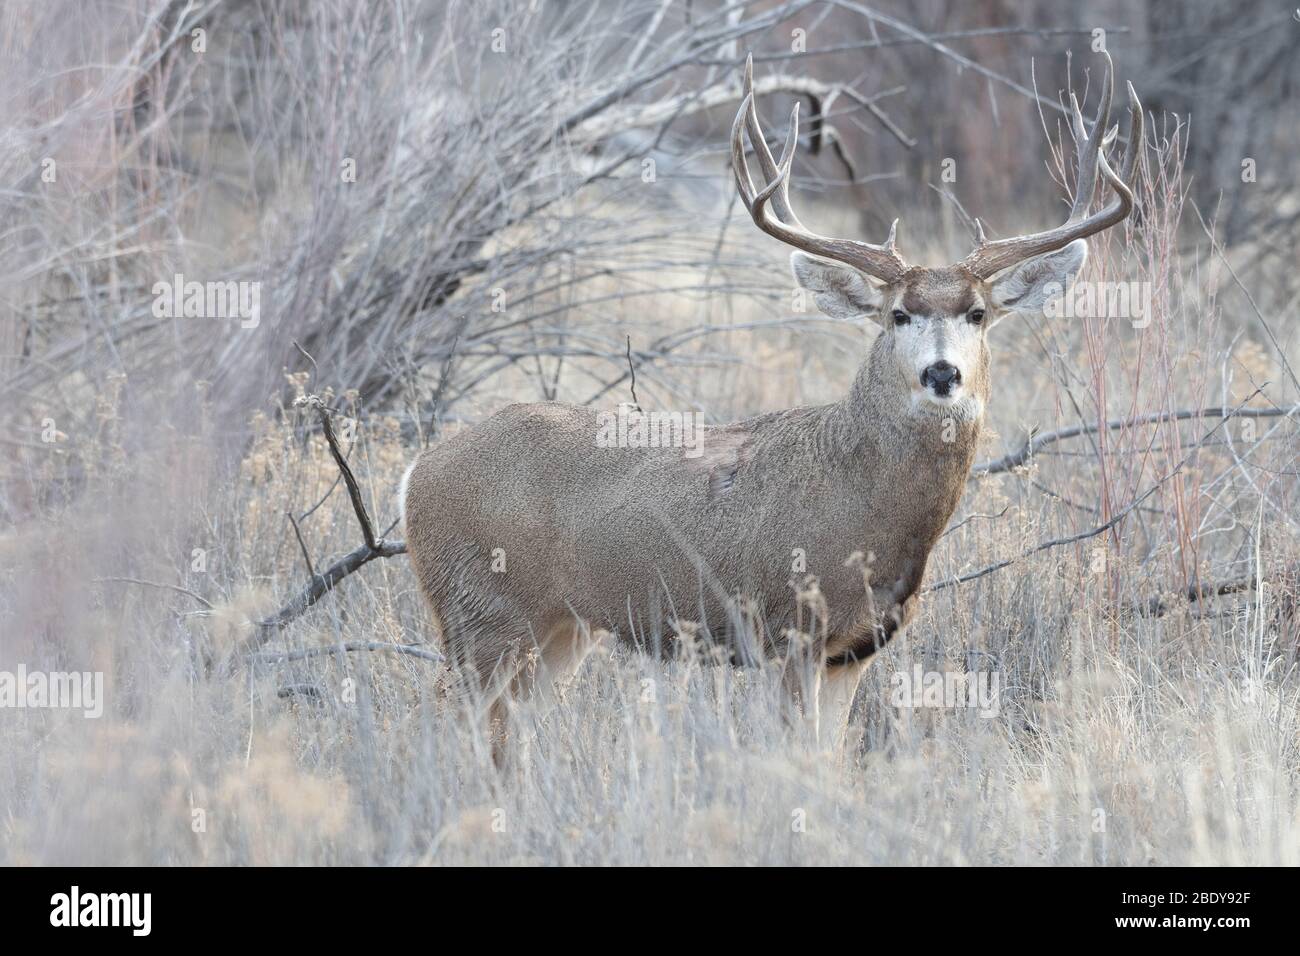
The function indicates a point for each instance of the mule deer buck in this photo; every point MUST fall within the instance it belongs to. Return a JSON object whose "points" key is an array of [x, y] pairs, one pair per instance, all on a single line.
{"points": [[532, 542]]}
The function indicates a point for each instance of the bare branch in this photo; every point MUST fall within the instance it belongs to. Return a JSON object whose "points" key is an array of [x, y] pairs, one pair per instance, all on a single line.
{"points": [[372, 548], [1119, 516], [444, 377], [1197, 593], [302, 545], [1268, 329], [409, 650], [325, 582], [969, 518], [677, 107], [354, 489], [1036, 443]]}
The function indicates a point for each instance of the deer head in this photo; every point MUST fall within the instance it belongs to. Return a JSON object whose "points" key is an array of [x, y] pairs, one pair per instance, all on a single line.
{"points": [[937, 319]]}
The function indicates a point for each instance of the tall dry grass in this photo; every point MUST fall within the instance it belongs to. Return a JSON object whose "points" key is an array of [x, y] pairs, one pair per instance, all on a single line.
{"points": [[1119, 738]]}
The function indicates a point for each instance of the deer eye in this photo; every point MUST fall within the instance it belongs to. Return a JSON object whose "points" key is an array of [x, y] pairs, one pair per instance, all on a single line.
{"points": [[901, 317], [976, 317]]}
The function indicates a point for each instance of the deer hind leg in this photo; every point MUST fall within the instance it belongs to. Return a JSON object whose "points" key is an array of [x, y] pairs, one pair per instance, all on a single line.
{"points": [[555, 660], [484, 652], [835, 701], [541, 672]]}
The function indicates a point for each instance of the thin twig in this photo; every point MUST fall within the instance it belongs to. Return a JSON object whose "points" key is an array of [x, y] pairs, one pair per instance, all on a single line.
{"points": [[444, 376], [302, 545], [307, 355], [632, 369], [154, 584], [970, 518], [1268, 329], [726, 92]]}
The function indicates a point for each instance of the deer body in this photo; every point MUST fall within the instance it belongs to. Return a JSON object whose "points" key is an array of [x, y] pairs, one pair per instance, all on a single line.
{"points": [[531, 541], [624, 538]]}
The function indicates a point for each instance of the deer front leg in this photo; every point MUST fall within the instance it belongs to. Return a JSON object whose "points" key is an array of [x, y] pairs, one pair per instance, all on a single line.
{"points": [[847, 658], [817, 697], [801, 678]]}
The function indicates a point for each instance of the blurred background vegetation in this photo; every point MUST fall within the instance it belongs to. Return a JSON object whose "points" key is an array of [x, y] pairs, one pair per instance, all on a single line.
{"points": [[448, 206]]}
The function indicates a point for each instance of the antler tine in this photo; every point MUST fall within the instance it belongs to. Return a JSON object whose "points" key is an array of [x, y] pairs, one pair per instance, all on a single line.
{"points": [[739, 165], [1136, 133], [992, 256], [1123, 182], [774, 190], [883, 262], [781, 199], [792, 233], [1090, 145]]}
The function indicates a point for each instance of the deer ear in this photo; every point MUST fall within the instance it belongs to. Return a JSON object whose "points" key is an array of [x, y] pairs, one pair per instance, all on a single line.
{"points": [[840, 291], [1035, 282]]}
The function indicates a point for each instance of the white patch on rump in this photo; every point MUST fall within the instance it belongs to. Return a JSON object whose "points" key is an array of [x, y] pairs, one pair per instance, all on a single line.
{"points": [[401, 490]]}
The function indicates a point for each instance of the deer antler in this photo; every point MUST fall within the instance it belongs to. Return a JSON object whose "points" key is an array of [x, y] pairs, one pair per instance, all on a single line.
{"points": [[993, 255], [883, 261]]}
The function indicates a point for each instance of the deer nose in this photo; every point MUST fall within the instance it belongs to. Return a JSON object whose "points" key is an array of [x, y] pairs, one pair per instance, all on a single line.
{"points": [[941, 376]]}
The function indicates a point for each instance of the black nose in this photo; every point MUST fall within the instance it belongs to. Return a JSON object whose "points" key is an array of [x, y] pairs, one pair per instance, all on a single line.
{"points": [[941, 376]]}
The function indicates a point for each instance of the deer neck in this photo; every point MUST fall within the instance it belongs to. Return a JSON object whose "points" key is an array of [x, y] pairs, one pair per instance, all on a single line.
{"points": [[888, 429]]}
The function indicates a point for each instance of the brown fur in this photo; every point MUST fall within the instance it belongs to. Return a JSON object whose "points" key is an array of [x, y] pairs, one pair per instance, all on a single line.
{"points": [[948, 291], [620, 539]]}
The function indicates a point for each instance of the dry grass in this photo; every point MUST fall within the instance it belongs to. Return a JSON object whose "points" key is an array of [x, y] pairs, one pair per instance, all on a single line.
{"points": [[1119, 739], [1170, 742]]}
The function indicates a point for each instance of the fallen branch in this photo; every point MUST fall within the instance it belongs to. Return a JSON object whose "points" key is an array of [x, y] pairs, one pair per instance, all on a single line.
{"points": [[1157, 607], [374, 546], [310, 691], [409, 650], [1037, 442], [323, 583]]}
